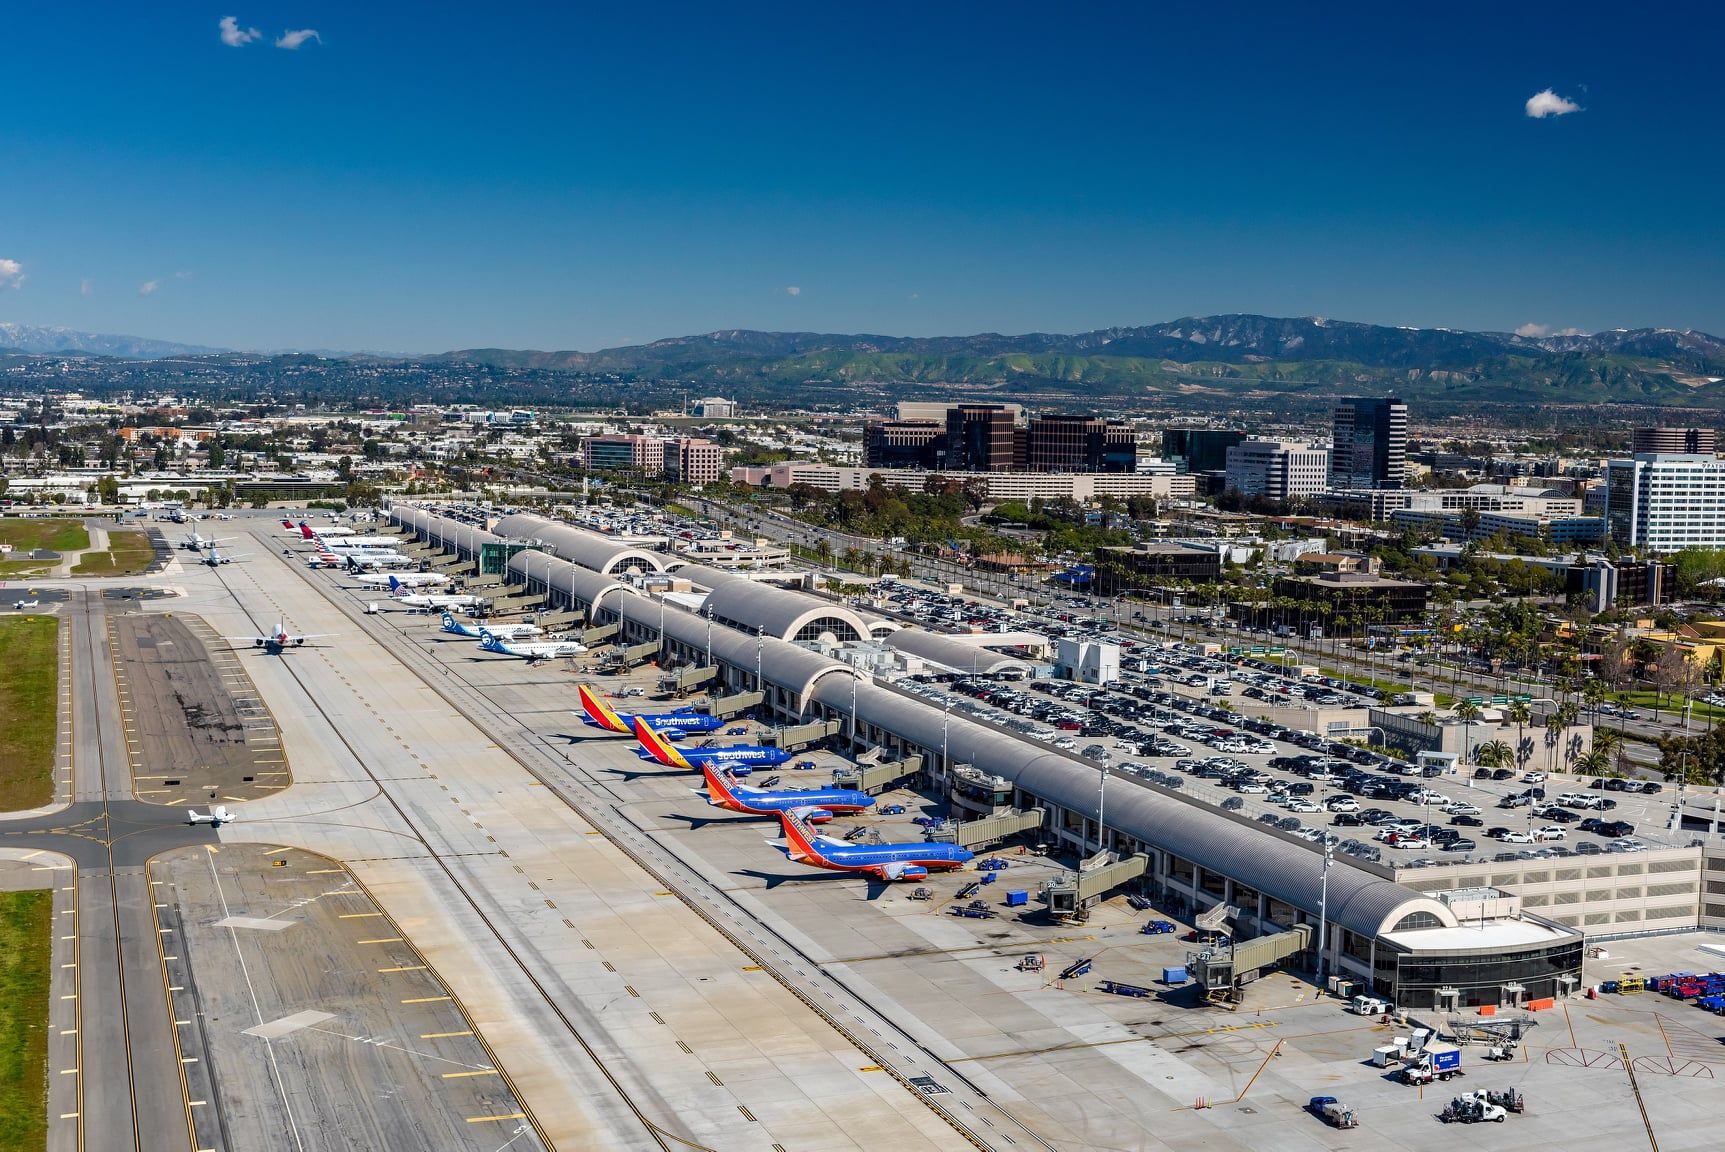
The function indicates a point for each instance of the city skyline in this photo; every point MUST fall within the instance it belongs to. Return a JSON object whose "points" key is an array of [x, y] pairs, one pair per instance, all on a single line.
{"points": [[303, 176]]}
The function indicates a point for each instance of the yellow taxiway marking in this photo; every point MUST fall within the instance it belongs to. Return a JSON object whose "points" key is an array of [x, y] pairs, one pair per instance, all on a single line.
{"points": [[424, 999], [441, 1035], [357, 915], [480, 1072], [323, 871], [405, 968], [382, 940], [490, 1119]]}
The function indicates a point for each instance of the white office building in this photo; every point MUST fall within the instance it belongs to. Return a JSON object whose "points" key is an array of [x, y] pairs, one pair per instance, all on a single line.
{"points": [[1277, 470], [1663, 502]]}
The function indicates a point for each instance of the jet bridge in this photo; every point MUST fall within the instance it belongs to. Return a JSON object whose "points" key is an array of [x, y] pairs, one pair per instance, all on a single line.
{"points": [[875, 778], [1222, 971], [991, 830], [1071, 894]]}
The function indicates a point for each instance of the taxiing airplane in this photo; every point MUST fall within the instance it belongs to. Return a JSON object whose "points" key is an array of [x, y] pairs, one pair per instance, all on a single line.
{"points": [[820, 804], [595, 713], [214, 557], [506, 632], [654, 746], [543, 650], [405, 579], [278, 639], [197, 543], [20, 605], [215, 818], [431, 599], [882, 861]]}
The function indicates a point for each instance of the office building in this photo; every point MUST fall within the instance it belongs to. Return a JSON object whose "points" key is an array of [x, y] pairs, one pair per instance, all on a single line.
{"points": [[1080, 486], [1369, 443], [1689, 441], [1152, 564], [980, 438], [1196, 450], [693, 461], [1276, 469], [1339, 603], [1080, 444], [1663, 502], [903, 443], [644, 454]]}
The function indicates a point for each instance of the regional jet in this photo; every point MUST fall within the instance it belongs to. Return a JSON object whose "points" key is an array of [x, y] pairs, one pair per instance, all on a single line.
{"points": [[882, 861], [654, 746], [595, 713], [430, 599], [543, 650], [214, 558], [507, 632]]}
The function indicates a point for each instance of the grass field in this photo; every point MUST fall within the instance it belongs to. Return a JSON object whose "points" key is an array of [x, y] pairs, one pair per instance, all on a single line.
{"points": [[29, 675], [55, 535], [25, 941], [129, 554]]}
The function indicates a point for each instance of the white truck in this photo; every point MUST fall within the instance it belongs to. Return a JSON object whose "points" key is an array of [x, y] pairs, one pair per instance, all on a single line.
{"points": [[1369, 1006]]}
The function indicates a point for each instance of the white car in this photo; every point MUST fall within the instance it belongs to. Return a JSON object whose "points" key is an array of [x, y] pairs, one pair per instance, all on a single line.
{"points": [[1533, 777], [1252, 788], [1299, 805], [1342, 804], [1427, 796], [1462, 808], [1404, 841], [1575, 800], [1516, 838], [1627, 844], [1550, 832]]}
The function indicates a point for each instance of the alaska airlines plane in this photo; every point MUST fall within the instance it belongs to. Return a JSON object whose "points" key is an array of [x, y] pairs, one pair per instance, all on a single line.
{"points": [[595, 713], [821, 803], [544, 650], [654, 746], [510, 632], [882, 861]]}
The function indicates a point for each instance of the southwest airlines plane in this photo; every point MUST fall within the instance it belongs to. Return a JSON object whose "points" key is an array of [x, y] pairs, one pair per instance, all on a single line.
{"points": [[821, 804], [595, 713], [654, 746], [882, 861]]}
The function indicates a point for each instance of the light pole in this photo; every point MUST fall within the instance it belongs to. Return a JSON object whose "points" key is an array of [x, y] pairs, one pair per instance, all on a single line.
{"points": [[945, 715], [1324, 911]]}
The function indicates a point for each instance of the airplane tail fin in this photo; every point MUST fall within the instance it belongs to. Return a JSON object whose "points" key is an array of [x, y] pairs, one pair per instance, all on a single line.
{"points": [[394, 584], [489, 642], [305, 532], [718, 793], [658, 746], [598, 711], [450, 624], [797, 834]]}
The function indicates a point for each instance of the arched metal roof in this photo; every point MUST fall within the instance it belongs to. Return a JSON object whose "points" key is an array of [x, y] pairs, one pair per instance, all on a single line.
{"points": [[579, 546], [1277, 866], [777, 611], [582, 585], [953, 654]]}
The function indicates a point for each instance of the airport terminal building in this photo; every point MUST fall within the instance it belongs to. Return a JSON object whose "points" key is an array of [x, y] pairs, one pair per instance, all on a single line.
{"points": [[1441, 947]]}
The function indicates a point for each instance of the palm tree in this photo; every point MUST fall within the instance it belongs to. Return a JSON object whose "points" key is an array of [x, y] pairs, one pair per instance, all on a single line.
{"points": [[1467, 712], [1494, 754], [1594, 762], [1521, 713]]}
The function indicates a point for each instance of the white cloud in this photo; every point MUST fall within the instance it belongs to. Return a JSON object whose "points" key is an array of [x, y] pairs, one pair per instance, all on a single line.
{"points": [[233, 35], [183, 275], [1548, 103], [1532, 330], [11, 274], [1569, 332], [293, 38], [148, 287], [86, 288], [793, 290]]}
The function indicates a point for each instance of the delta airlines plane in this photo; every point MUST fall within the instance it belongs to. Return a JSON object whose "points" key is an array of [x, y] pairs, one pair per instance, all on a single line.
{"points": [[595, 713], [655, 747], [821, 804], [882, 861]]}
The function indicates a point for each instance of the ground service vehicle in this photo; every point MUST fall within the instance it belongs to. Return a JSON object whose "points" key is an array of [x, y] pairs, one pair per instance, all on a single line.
{"points": [[1333, 1112]]}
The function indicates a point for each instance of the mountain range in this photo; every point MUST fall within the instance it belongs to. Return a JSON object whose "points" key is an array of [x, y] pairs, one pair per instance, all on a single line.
{"points": [[1218, 357]]}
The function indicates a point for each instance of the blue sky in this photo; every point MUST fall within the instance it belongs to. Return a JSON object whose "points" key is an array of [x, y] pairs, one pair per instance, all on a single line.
{"points": [[431, 176]]}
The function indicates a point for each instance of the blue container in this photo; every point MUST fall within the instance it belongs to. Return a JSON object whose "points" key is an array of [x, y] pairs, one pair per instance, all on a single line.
{"points": [[1174, 976], [1017, 898]]}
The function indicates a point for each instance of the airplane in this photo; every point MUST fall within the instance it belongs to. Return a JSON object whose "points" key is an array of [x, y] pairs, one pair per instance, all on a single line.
{"points": [[20, 605], [508, 632], [278, 639], [545, 650], [595, 713], [215, 818], [821, 804], [431, 599], [882, 861], [345, 538], [405, 579], [197, 543], [362, 561], [307, 531], [214, 558], [654, 746]]}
